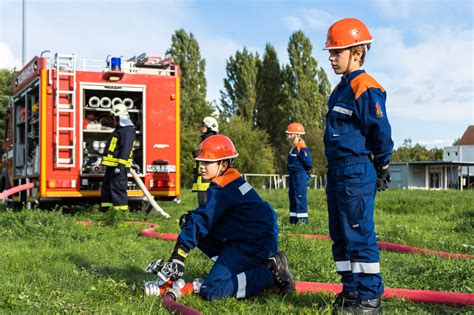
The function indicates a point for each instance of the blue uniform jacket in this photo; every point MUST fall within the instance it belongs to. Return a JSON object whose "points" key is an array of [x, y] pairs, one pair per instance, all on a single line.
{"points": [[234, 212], [357, 127], [299, 159]]}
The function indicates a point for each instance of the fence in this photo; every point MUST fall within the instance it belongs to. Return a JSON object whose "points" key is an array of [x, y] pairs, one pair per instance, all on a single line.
{"points": [[278, 181]]}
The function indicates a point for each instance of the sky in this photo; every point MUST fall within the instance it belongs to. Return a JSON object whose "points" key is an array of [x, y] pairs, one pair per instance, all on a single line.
{"points": [[423, 51]]}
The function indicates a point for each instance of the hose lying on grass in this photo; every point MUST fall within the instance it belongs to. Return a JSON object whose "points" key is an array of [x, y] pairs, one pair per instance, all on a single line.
{"points": [[421, 296]]}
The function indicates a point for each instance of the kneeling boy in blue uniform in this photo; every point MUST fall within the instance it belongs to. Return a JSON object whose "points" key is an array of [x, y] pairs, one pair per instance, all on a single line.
{"points": [[236, 229]]}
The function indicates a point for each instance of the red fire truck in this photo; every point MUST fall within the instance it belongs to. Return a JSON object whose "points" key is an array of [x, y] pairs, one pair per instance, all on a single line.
{"points": [[58, 121]]}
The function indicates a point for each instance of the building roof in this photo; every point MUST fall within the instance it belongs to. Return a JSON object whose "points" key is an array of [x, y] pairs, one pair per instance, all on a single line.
{"points": [[468, 136]]}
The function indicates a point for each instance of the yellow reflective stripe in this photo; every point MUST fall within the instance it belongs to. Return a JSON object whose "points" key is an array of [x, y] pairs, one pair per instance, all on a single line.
{"points": [[109, 163], [113, 144], [106, 204], [123, 208], [182, 253], [127, 163], [199, 185]]}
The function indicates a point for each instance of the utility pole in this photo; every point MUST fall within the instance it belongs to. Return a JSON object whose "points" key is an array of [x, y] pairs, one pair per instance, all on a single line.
{"points": [[23, 35]]}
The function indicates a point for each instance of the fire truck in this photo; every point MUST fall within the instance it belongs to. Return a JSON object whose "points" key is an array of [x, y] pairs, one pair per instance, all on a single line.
{"points": [[58, 121]]}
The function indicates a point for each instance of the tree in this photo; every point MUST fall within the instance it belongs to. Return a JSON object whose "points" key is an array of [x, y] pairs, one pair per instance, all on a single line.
{"points": [[306, 87], [408, 152], [185, 52], [239, 94], [255, 152], [6, 78], [306, 92], [270, 114]]}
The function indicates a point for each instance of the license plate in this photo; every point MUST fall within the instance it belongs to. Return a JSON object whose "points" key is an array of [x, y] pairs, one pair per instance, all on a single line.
{"points": [[161, 168]]}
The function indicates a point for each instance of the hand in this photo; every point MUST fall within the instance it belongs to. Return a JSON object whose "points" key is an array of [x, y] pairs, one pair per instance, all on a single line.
{"points": [[175, 265], [183, 219], [383, 178]]}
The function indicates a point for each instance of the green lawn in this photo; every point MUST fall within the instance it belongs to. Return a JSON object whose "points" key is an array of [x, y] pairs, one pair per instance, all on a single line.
{"points": [[50, 264]]}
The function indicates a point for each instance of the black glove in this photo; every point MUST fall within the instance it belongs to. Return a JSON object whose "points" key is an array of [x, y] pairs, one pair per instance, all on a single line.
{"points": [[383, 178], [175, 265], [183, 219]]}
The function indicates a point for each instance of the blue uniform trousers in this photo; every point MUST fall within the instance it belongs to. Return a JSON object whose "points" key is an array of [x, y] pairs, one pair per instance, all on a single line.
{"points": [[298, 185], [239, 270], [350, 196]]}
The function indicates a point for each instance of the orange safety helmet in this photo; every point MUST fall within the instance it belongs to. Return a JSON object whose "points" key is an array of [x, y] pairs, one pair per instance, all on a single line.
{"points": [[216, 148], [347, 33], [295, 128]]}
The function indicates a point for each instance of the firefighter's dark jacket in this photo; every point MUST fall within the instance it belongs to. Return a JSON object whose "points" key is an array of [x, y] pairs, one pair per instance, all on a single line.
{"points": [[118, 150]]}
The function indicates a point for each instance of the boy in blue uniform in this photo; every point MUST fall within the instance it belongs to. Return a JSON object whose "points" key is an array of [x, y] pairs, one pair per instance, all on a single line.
{"points": [[117, 158], [236, 229], [299, 166], [358, 146]]}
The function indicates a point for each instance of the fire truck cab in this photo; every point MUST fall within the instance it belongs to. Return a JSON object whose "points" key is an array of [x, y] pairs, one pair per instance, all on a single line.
{"points": [[58, 121]]}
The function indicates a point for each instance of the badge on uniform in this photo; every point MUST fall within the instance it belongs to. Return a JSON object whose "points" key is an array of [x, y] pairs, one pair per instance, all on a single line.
{"points": [[378, 111]]}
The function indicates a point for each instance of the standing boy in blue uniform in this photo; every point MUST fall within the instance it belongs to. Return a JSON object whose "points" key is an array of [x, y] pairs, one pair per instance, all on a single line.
{"points": [[299, 167], [117, 158], [358, 146], [236, 229]]}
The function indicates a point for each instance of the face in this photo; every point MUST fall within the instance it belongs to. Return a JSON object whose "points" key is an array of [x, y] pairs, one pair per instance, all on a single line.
{"points": [[342, 62], [203, 129], [209, 170], [290, 137]]}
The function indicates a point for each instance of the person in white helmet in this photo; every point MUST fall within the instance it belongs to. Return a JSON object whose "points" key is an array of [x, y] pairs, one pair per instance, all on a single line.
{"points": [[117, 158], [209, 127]]}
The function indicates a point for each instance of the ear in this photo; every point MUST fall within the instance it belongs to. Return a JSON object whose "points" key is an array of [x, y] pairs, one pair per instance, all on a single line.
{"points": [[225, 166]]}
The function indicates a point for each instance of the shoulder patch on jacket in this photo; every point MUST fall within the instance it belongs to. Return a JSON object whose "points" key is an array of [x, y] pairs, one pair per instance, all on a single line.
{"points": [[228, 177], [362, 83], [300, 145]]}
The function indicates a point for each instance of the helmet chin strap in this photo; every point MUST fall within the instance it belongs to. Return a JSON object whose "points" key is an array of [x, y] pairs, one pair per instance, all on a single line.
{"points": [[349, 62], [218, 170]]}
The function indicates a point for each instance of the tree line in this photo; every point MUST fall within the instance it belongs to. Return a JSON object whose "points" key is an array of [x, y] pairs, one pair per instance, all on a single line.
{"points": [[259, 98]]}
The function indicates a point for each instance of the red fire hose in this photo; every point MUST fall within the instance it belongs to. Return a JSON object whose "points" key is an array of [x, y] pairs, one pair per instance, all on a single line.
{"points": [[397, 247], [421, 296], [176, 307], [150, 232], [14, 190]]}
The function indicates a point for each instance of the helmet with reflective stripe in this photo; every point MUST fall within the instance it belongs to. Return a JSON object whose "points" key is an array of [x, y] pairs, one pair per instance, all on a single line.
{"points": [[295, 128], [211, 123], [216, 148], [119, 109], [347, 33]]}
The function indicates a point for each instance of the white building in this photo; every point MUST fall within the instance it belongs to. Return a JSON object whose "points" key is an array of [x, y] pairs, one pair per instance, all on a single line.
{"points": [[456, 171]]}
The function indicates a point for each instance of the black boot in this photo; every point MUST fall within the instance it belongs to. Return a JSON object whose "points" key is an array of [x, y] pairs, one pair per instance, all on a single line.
{"points": [[282, 276], [369, 307], [345, 302]]}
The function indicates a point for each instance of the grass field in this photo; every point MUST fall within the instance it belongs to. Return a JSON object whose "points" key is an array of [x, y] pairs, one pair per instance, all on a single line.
{"points": [[50, 264]]}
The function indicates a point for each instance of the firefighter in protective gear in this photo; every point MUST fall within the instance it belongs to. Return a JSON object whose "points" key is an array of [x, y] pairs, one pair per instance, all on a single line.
{"points": [[236, 229], [117, 158], [209, 127], [299, 168], [358, 147]]}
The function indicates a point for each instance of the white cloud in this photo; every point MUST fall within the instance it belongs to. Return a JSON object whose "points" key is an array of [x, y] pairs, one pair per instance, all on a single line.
{"points": [[315, 18], [431, 80], [293, 22], [7, 59], [310, 19], [395, 8]]}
